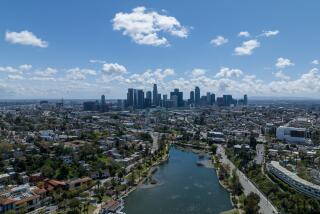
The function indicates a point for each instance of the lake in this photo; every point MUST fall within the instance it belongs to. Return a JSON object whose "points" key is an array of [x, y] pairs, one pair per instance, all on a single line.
{"points": [[183, 187]]}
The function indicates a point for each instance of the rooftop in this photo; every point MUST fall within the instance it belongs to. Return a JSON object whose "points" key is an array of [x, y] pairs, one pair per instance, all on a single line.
{"points": [[292, 175]]}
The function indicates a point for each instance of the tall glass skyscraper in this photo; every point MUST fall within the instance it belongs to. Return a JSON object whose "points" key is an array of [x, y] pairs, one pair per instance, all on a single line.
{"points": [[197, 95], [130, 96], [192, 97], [155, 95]]}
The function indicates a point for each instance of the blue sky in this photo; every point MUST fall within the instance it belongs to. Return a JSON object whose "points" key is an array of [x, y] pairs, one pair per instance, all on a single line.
{"points": [[82, 49]]}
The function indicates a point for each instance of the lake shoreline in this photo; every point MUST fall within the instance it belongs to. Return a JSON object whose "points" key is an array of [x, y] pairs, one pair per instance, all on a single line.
{"points": [[150, 173], [198, 155]]}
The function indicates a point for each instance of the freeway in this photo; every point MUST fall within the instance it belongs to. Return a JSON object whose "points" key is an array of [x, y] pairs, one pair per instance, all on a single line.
{"points": [[265, 205]]}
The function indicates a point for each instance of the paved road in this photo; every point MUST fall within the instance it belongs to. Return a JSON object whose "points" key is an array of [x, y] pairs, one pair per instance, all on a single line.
{"points": [[265, 206]]}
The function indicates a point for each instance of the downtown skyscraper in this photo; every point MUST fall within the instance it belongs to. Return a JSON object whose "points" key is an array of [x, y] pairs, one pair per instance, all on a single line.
{"points": [[155, 95], [197, 95], [138, 99]]}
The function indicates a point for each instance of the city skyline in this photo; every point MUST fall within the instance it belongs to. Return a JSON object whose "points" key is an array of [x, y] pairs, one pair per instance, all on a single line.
{"points": [[250, 50], [140, 99], [136, 99], [178, 107]]}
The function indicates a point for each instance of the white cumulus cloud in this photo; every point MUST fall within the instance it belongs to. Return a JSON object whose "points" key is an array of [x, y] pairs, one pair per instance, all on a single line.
{"points": [[270, 33], [79, 74], [315, 62], [25, 38], [42, 78], [218, 41], [9, 69], [168, 72], [228, 73], [142, 80], [244, 34], [198, 72], [15, 77], [18, 70], [48, 72], [281, 75], [283, 63], [113, 68], [227, 80], [147, 27], [97, 61], [25, 67], [247, 47]]}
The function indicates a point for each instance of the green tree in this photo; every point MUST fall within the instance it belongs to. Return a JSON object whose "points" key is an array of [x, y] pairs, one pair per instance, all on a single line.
{"points": [[74, 204], [223, 171], [235, 183], [47, 171], [213, 149], [131, 179], [251, 204], [63, 172]]}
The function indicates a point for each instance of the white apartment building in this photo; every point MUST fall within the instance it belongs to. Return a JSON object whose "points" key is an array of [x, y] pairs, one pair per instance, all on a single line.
{"points": [[291, 134], [293, 180]]}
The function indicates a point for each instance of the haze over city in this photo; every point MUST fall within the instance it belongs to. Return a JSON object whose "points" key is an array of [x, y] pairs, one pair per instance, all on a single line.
{"points": [[78, 49], [159, 107]]}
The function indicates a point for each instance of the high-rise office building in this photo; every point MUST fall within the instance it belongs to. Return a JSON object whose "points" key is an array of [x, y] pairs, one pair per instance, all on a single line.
{"points": [[159, 100], [165, 101], [203, 101], [165, 98], [208, 98], [135, 98], [140, 101], [179, 95], [91, 105], [149, 95], [197, 95], [130, 97], [191, 100], [227, 100], [174, 99], [148, 99], [155, 95], [245, 99], [220, 101], [120, 104], [180, 99], [213, 99], [103, 106], [103, 99]]}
